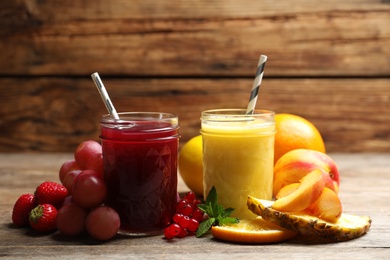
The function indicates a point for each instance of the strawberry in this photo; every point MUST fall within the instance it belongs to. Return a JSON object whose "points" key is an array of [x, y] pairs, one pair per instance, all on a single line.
{"points": [[22, 208], [43, 218], [51, 193]]}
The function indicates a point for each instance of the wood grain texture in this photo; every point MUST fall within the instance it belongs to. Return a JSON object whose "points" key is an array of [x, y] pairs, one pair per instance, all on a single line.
{"points": [[328, 61], [195, 38], [55, 114], [363, 191]]}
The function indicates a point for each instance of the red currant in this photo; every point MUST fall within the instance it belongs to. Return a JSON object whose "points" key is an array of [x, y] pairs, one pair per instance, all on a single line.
{"points": [[197, 214], [172, 231], [177, 217], [184, 222], [190, 196], [193, 225], [187, 217], [167, 233], [180, 205], [183, 233], [196, 202], [184, 208]]}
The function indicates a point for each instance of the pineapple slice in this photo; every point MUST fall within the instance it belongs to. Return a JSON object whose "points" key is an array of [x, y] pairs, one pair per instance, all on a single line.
{"points": [[346, 228]]}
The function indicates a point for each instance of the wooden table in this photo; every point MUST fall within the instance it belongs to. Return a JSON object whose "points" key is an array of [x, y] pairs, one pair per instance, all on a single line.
{"points": [[364, 190]]}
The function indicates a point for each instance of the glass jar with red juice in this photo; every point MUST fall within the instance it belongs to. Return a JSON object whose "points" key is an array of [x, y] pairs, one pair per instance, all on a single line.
{"points": [[140, 168]]}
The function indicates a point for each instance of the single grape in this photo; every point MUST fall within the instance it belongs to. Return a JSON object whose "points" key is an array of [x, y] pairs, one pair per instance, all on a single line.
{"points": [[103, 223], [71, 219], [84, 151], [67, 200], [69, 180], [89, 191], [83, 173], [66, 167], [95, 163]]}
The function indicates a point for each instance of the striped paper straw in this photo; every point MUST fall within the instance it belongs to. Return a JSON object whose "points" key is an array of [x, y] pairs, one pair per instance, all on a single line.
{"points": [[103, 93], [256, 85]]}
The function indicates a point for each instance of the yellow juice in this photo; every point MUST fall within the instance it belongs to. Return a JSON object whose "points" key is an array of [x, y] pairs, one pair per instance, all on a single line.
{"points": [[238, 158]]}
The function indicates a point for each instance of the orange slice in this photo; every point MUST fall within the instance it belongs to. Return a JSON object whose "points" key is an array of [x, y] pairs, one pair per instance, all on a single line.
{"points": [[252, 231]]}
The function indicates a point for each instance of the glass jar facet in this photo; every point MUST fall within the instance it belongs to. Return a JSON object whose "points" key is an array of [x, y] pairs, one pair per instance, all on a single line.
{"points": [[140, 168]]}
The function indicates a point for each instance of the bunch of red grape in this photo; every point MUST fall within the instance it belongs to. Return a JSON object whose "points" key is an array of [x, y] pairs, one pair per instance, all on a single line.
{"points": [[186, 219], [84, 208], [74, 206], [80, 204]]}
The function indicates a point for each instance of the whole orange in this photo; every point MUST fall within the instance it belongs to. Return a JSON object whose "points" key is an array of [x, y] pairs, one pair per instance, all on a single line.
{"points": [[295, 132]]}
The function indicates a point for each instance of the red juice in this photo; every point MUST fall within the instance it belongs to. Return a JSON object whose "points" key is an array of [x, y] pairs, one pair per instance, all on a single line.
{"points": [[140, 169]]}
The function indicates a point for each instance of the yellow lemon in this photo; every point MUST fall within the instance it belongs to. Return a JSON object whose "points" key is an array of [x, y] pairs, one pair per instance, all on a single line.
{"points": [[191, 165]]}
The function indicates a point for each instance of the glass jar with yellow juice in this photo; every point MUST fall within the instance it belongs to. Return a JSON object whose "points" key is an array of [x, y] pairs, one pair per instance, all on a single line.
{"points": [[238, 156]]}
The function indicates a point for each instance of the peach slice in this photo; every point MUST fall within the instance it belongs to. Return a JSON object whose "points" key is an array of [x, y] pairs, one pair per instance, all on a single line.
{"points": [[329, 182], [307, 193], [287, 190], [294, 165], [327, 207]]}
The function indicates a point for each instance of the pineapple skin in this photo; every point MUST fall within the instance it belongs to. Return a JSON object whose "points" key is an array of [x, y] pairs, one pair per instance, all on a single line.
{"points": [[346, 228]]}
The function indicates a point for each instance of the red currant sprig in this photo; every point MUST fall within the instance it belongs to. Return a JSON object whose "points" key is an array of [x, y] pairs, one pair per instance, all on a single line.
{"points": [[186, 219]]}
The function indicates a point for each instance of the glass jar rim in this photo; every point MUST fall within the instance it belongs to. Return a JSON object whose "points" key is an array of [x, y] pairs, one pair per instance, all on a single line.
{"points": [[227, 116], [236, 112], [140, 116]]}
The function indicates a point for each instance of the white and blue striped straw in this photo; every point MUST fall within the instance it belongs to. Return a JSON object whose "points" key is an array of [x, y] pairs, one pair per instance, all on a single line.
{"points": [[103, 93], [256, 85]]}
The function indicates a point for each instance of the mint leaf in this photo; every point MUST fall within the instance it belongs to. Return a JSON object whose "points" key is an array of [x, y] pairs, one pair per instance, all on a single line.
{"points": [[228, 220], [218, 210], [212, 197], [218, 215], [204, 227], [206, 208], [203, 207], [227, 212]]}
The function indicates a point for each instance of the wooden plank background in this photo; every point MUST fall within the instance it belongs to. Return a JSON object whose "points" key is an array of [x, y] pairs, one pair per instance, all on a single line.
{"points": [[328, 61]]}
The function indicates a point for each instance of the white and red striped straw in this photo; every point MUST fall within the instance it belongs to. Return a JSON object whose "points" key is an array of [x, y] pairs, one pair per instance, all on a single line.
{"points": [[103, 93], [256, 85]]}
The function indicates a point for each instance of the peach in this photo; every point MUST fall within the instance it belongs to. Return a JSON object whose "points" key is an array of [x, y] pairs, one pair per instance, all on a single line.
{"points": [[294, 165], [308, 191], [287, 190], [329, 182], [327, 207]]}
